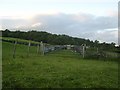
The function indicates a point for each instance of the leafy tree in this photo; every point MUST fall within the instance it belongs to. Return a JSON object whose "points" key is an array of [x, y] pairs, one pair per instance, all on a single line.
{"points": [[55, 39]]}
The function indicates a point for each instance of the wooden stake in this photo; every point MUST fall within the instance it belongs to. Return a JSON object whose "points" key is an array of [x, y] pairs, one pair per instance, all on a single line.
{"points": [[29, 48], [83, 51], [38, 48], [42, 47], [97, 50], [14, 50]]}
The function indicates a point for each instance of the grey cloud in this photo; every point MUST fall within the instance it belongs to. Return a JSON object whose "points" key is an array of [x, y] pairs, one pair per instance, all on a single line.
{"points": [[103, 36], [13, 23], [79, 25]]}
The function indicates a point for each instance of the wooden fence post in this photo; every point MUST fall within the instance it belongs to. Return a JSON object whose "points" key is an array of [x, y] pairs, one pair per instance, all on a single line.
{"points": [[0, 61], [38, 48], [14, 50], [29, 48], [42, 47], [97, 50], [83, 51]]}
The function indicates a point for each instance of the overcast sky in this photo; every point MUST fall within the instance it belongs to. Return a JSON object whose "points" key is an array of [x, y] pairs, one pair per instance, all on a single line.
{"points": [[91, 19]]}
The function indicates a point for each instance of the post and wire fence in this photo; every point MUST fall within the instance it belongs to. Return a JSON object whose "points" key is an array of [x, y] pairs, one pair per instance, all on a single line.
{"points": [[85, 51]]}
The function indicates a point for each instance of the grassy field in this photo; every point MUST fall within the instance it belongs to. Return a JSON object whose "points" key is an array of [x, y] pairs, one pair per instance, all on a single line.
{"points": [[18, 39], [58, 69]]}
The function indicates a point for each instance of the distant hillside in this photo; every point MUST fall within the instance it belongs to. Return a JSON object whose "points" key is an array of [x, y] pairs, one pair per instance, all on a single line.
{"points": [[54, 39]]}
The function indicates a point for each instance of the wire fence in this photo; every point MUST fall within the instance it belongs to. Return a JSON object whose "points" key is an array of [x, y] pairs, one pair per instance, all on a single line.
{"points": [[84, 50]]}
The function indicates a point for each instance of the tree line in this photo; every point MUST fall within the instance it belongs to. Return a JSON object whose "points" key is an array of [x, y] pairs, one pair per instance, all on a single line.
{"points": [[55, 39]]}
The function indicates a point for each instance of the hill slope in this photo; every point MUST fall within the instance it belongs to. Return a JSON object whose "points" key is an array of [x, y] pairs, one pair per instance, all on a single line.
{"points": [[58, 69]]}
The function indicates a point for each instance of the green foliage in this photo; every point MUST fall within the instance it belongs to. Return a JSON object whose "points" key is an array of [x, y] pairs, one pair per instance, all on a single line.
{"points": [[59, 69], [46, 37], [55, 39], [18, 40]]}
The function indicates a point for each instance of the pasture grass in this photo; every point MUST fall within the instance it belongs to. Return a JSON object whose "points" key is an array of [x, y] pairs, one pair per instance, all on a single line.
{"points": [[18, 39], [58, 69]]}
